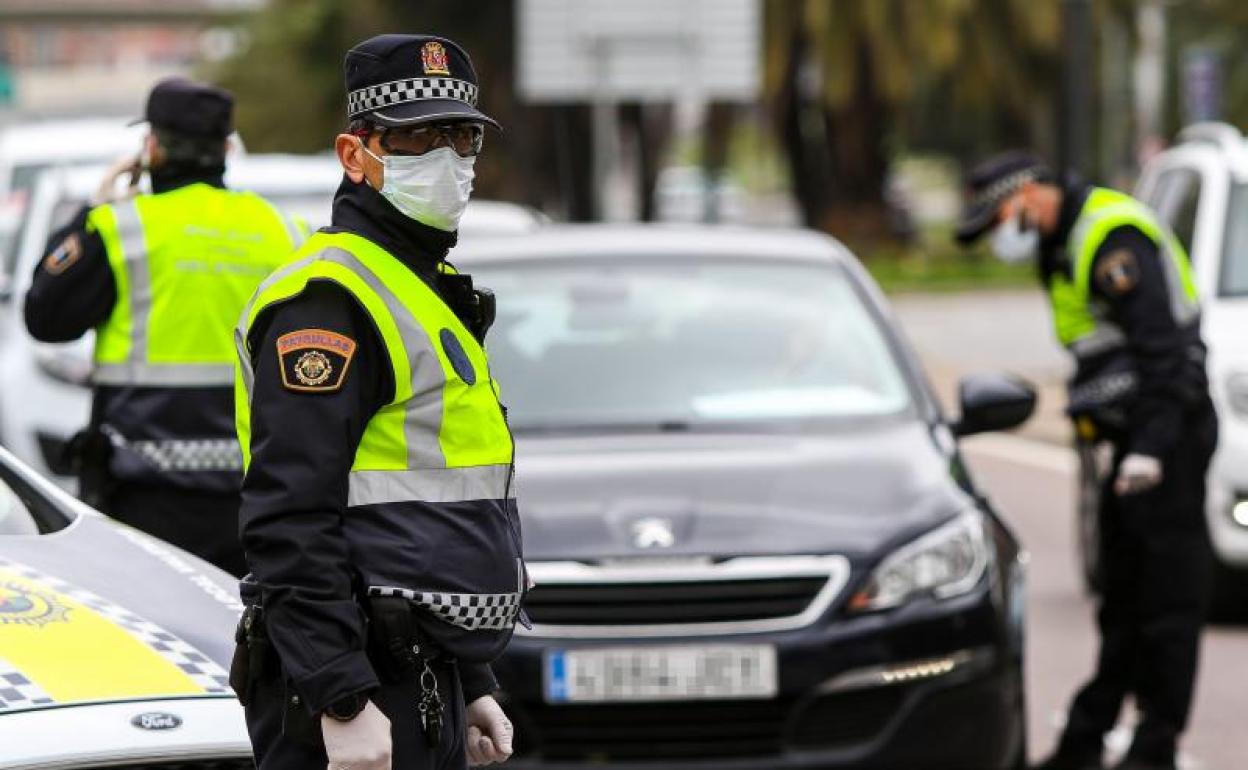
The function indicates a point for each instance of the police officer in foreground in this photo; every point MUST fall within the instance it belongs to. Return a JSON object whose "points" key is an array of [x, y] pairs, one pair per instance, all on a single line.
{"points": [[378, 515], [161, 278], [1125, 306]]}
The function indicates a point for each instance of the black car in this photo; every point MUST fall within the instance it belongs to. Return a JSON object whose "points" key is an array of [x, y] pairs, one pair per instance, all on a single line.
{"points": [[754, 542]]}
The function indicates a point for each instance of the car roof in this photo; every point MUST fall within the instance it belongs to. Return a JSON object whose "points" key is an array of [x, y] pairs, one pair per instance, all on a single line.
{"points": [[278, 174], [68, 140], [660, 240], [1223, 138]]}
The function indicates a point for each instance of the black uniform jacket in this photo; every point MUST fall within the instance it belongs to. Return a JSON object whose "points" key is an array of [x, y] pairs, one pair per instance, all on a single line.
{"points": [[67, 299], [303, 445], [1127, 275]]}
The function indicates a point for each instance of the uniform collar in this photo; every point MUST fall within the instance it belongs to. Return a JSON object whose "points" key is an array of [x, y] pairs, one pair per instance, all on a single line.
{"points": [[1053, 256], [360, 209], [168, 178]]}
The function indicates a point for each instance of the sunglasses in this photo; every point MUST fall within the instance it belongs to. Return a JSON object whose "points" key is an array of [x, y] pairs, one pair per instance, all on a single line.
{"points": [[463, 137]]}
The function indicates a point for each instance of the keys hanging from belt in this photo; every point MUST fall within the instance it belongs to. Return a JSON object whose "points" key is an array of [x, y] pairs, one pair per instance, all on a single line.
{"points": [[430, 705]]}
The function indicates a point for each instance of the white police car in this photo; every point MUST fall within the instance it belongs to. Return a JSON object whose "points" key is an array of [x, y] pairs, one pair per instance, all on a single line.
{"points": [[114, 647]]}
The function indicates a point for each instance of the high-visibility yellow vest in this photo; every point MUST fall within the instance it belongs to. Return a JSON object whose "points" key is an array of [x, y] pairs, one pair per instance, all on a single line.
{"points": [[1082, 321], [185, 262], [443, 434], [430, 505]]}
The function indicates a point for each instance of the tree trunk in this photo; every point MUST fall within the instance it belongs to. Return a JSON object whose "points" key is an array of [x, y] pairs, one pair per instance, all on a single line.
{"points": [[802, 128], [857, 137]]}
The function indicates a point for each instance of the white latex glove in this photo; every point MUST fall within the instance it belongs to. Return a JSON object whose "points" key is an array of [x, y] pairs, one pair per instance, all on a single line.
{"points": [[107, 191], [361, 744], [489, 732], [1137, 473]]}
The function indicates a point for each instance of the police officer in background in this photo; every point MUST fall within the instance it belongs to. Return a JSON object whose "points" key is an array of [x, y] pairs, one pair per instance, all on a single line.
{"points": [[161, 278], [378, 515], [1125, 306]]}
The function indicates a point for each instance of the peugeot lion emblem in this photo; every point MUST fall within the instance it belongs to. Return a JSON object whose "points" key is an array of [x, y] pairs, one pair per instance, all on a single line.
{"points": [[653, 532]]}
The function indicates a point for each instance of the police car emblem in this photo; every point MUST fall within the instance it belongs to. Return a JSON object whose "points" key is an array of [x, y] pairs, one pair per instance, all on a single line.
{"points": [[21, 605], [313, 368], [433, 59], [314, 360]]}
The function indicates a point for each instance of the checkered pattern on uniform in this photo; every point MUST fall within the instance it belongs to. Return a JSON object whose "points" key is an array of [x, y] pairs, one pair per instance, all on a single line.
{"points": [[199, 667], [18, 692], [1104, 390], [473, 612], [208, 454], [403, 91]]}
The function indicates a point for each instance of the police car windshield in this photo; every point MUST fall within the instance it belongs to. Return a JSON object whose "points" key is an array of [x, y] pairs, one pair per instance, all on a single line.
{"points": [[683, 343]]}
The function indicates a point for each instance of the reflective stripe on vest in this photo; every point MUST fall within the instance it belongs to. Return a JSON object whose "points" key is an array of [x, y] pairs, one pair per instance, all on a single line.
{"points": [[184, 263], [1081, 320], [442, 438]]}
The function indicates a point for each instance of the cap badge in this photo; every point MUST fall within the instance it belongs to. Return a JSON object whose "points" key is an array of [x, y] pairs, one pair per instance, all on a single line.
{"points": [[433, 59]]}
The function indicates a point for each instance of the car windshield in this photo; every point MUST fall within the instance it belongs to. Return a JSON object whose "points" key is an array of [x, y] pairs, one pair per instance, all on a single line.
{"points": [[1234, 281], [683, 343]]}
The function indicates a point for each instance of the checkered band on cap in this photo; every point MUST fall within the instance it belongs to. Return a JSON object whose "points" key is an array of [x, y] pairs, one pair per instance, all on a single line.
{"points": [[998, 191], [395, 92], [472, 612]]}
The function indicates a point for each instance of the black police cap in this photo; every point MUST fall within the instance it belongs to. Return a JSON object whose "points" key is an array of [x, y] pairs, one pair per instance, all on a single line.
{"points": [[990, 184], [186, 107], [406, 80]]}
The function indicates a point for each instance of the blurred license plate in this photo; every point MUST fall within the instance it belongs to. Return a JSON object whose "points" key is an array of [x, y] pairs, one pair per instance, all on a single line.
{"points": [[615, 674]]}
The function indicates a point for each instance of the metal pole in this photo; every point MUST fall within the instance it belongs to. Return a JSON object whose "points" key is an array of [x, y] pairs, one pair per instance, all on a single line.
{"points": [[1076, 119]]}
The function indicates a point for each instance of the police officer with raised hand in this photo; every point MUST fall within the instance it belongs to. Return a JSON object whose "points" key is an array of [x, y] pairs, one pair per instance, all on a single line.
{"points": [[161, 278], [1126, 308], [378, 515]]}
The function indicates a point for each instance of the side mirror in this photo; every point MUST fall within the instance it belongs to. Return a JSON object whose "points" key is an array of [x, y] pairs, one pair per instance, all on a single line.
{"points": [[992, 401], [64, 365]]}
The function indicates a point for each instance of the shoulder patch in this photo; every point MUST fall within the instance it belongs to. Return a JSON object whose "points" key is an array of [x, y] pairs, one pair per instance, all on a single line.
{"points": [[63, 256], [314, 360], [1117, 272]]}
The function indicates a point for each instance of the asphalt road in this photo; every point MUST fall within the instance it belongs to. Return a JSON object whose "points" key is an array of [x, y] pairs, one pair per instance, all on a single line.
{"points": [[1031, 477]]}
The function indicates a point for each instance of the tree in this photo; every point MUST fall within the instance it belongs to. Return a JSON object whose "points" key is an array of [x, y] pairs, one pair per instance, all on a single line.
{"points": [[846, 75]]}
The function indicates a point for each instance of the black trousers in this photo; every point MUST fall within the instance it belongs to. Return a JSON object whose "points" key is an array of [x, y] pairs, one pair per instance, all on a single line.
{"points": [[204, 523], [1157, 580], [281, 743]]}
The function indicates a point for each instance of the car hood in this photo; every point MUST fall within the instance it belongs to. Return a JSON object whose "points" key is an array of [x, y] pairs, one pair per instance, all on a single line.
{"points": [[99, 612], [853, 492]]}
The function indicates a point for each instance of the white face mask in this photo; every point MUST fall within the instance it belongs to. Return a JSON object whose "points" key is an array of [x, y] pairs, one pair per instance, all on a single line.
{"points": [[1012, 244], [432, 188]]}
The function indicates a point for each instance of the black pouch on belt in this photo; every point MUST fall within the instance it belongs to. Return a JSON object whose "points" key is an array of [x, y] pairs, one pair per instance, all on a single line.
{"points": [[400, 652], [252, 653]]}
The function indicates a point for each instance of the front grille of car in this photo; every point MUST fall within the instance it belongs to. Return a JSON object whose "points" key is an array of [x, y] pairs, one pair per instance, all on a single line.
{"points": [[596, 604], [843, 719], [682, 598], [599, 733]]}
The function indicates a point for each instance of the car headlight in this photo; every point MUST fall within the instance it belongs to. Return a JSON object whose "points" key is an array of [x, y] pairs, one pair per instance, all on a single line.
{"points": [[1237, 392], [948, 561]]}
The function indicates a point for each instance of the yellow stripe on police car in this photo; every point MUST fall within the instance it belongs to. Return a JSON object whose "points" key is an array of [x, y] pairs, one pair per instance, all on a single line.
{"points": [[70, 645]]}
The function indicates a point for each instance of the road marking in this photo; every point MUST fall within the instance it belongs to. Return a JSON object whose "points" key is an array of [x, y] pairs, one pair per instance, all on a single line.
{"points": [[1023, 451]]}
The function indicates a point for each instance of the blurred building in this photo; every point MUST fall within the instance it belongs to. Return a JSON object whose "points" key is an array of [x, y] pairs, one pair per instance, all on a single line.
{"points": [[72, 56]]}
